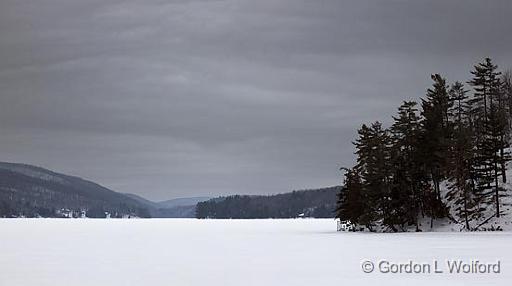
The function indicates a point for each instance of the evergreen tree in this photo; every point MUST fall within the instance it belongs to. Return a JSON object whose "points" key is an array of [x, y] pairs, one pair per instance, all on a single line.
{"points": [[489, 114], [506, 93], [495, 146], [462, 141], [409, 180], [351, 205], [462, 195], [435, 137], [373, 163], [506, 79]]}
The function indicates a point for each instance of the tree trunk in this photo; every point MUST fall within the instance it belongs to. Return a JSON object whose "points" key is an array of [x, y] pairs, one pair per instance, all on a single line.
{"points": [[497, 193], [435, 180], [502, 161]]}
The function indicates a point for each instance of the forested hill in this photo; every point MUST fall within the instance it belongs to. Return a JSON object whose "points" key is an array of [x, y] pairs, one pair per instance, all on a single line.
{"points": [[29, 191], [319, 203]]}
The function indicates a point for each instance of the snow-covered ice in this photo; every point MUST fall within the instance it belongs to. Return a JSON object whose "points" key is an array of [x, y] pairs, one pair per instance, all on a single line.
{"points": [[231, 252]]}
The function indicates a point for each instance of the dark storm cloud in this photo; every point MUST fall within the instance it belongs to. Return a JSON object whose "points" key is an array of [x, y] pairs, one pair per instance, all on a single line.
{"points": [[183, 98]]}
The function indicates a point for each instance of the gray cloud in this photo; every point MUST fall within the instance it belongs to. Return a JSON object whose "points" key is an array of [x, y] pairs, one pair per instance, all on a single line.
{"points": [[182, 98]]}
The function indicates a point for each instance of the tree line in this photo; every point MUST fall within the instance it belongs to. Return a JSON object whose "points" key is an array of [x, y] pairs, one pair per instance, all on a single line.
{"points": [[319, 203], [456, 139]]}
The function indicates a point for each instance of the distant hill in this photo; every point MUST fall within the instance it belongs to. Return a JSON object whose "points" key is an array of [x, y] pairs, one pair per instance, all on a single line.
{"points": [[182, 202], [144, 201], [31, 191], [175, 208], [319, 203]]}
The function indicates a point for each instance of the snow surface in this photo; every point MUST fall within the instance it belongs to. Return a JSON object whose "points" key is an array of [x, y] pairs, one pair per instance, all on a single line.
{"points": [[231, 252], [488, 219]]}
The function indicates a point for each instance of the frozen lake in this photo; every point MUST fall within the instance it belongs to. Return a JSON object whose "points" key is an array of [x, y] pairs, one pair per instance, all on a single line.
{"points": [[233, 252]]}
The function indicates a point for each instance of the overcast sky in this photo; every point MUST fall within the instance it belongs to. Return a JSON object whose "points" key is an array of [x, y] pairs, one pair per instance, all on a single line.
{"points": [[185, 98]]}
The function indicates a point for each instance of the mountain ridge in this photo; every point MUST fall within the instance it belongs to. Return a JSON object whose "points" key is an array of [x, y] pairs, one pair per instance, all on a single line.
{"points": [[27, 190], [32, 191]]}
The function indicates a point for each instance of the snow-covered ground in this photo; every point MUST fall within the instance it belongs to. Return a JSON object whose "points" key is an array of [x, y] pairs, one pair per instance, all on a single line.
{"points": [[233, 252]]}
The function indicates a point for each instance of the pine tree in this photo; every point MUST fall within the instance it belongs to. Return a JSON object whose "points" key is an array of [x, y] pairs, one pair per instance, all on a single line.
{"points": [[496, 145], [351, 205], [373, 163], [506, 93], [461, 194], [409, 178], [435, 137], [462, 140], [506, 79], [490, 124], [485, 83]]}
